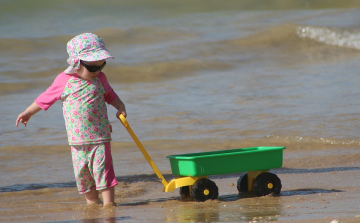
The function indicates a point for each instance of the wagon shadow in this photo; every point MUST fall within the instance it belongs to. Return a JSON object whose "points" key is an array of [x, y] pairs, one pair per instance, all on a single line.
{"points": [[307, 191]]}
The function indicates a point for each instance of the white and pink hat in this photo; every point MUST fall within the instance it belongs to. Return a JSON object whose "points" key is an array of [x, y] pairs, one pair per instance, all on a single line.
{"points": [[86, 47]]}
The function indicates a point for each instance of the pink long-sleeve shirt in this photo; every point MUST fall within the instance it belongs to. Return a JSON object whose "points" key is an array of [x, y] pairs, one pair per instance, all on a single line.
{"points": [[84, 107]]}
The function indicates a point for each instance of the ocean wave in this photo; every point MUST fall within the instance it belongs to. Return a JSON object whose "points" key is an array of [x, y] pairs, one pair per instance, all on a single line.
{"points": [[295, 36], [341, 38], [293, 43]]}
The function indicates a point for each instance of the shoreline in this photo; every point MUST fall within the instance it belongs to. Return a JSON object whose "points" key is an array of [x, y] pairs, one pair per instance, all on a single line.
{"points": [[319, 184]]}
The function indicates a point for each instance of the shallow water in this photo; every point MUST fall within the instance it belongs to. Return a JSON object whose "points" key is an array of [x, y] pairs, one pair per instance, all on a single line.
{"points": [[195, 76]]}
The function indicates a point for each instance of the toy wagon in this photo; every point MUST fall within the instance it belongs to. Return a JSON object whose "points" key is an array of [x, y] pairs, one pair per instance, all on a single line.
{"points": [[192, 170]]}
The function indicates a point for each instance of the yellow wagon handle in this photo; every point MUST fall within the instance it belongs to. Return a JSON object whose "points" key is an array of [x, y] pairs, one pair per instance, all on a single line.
{"points": [[142, 149]]}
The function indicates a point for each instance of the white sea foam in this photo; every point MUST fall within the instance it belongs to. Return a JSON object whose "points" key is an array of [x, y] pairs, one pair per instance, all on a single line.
{"points": [[342, 38]]}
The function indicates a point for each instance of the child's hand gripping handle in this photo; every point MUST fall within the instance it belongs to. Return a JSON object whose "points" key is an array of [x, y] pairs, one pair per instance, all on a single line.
{"points": [[123, 121], [142, 149]]}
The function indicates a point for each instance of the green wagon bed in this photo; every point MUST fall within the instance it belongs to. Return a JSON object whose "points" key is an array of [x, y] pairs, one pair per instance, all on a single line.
{"points": [[226, 161]]}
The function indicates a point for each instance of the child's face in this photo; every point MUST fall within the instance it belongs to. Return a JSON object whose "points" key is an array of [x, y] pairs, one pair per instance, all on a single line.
{"points": [[87, 75]]}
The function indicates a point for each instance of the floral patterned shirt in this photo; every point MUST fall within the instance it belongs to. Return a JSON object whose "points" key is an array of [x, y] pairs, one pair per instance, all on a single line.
{"points": [[84, 107]]}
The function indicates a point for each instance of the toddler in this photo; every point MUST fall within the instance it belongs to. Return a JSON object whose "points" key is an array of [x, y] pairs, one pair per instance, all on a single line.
{"points": [[83, 90]]}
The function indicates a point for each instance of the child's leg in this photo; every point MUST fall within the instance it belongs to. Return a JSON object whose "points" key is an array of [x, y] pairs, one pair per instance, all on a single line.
{"points": [[108, 195], [92, 197], [93, 166], [103, 172], [83, 174]]}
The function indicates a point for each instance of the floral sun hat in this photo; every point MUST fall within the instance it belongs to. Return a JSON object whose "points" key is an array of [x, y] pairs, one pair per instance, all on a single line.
{"points": [[87, 47]]}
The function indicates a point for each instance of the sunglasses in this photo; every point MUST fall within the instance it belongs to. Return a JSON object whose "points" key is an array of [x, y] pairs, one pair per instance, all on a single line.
{"points": [[93, 68]]}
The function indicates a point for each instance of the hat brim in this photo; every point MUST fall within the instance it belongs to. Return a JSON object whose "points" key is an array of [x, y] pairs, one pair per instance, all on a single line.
{"points": [[95, 55]]}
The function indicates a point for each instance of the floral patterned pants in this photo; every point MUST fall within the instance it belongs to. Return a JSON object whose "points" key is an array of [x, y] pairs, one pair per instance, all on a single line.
{"points": [[93, 167]]}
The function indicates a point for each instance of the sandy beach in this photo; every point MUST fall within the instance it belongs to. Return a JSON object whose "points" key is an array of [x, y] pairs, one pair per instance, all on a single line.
{"points": [[320, 186]]}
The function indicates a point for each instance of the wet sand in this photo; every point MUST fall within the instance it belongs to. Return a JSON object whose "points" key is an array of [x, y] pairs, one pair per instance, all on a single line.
{"points": [[320, 183]]}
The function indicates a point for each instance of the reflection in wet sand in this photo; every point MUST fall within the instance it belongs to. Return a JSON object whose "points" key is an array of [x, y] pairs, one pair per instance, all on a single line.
{"points": [[198, 214]]}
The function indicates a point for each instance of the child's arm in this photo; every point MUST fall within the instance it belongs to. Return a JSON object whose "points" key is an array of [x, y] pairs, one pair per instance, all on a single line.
{"points": [[119, 105], [45, 99], [26, 115]]}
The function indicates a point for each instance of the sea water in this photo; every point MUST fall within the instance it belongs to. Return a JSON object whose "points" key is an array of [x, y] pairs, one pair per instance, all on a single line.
{"points": [[284, 71]]}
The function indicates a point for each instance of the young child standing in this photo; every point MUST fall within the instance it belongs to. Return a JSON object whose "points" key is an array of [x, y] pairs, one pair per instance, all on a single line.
{"points": [[83, 90]]}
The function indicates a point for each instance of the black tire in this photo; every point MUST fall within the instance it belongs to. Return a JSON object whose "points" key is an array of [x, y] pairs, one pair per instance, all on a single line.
{"points": [[185, 190], [266, 183], [204, 189], [242, 183]]}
